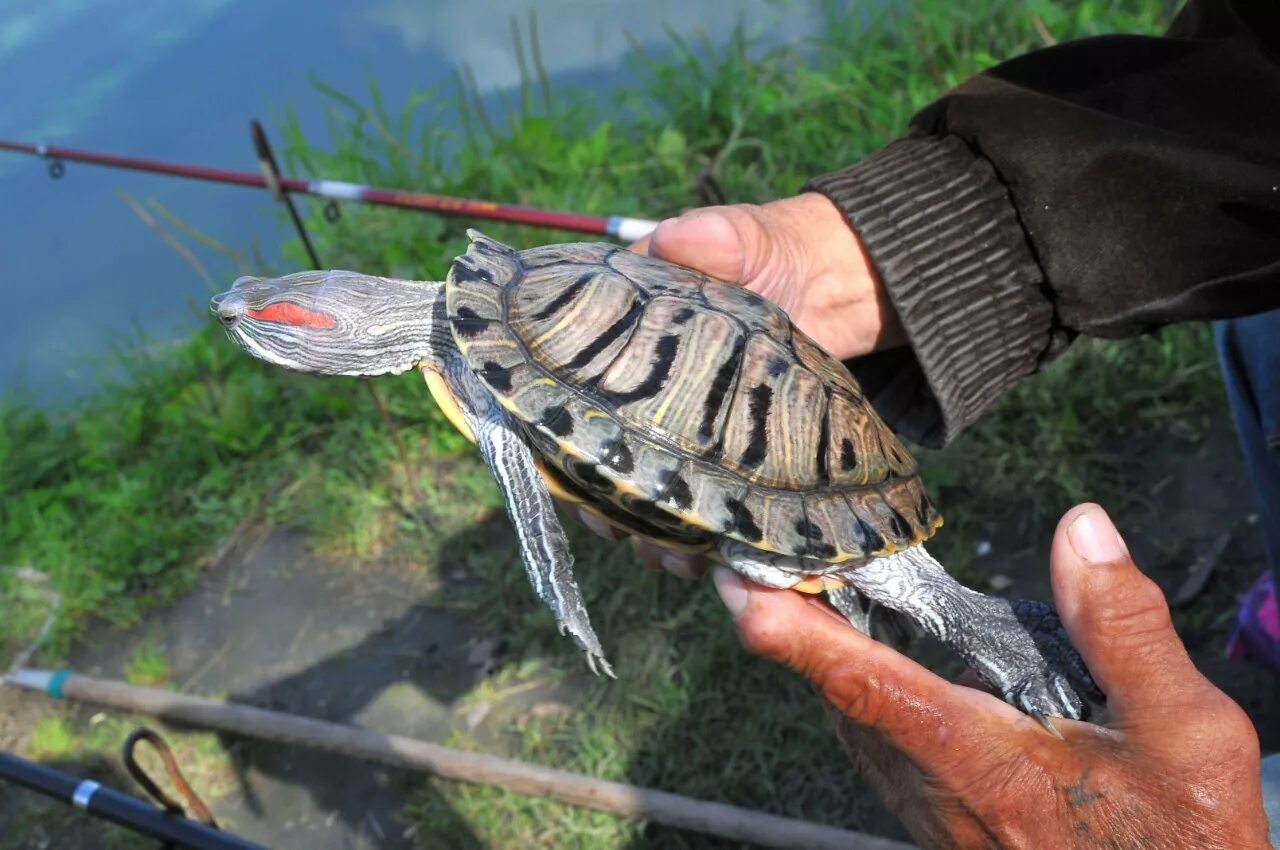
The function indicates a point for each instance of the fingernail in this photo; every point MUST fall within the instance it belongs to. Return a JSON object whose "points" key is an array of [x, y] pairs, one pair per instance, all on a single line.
{"points": [[598, 525], [680, 565], [1095, 539], [733, 592]]}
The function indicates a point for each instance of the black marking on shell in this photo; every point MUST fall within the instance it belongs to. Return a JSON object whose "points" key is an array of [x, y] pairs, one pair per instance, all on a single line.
{"points": [[743, 522], [675, 490], [808, 530], [848, 458], [604, 340], [871, 539], [465, 272], [557, 420], [899, 524], [590, 477], [560, 301], [759, 402], [485, 245], [646, 509], [820, 550], [679, 494], [777, 365], [683, 315], [815, 546], [719, 386], [469, 323], [618, 457], [922, 511], [824, 440], [658, 373], [497, 376]]}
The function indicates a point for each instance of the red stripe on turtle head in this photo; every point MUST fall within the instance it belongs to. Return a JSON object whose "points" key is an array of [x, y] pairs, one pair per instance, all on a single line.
{"points": [[286, 313]]}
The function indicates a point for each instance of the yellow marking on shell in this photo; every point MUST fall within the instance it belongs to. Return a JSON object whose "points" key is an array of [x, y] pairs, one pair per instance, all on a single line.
{"points": [[554, 486], [570, 317], [623, 487], [699, 380], [818, 584], [465, 345], [446, 401]]}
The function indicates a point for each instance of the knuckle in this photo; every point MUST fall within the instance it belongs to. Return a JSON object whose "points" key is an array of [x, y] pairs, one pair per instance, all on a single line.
{"points": [[861, 699], [1231, 725]]}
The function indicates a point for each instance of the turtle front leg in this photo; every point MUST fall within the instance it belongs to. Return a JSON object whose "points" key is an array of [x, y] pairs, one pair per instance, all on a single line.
{"points": [[544, 548], [1016, 650]]}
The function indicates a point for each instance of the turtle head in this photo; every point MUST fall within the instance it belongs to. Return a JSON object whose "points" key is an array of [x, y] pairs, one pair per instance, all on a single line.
{"points": [[335, 322]]}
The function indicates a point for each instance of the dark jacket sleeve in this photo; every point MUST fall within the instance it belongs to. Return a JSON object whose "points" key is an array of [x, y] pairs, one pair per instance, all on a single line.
{"points": [[1106, 186]]}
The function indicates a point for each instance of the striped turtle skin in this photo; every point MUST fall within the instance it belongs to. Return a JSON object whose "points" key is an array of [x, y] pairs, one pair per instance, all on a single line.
{"points": [[686, 409]]}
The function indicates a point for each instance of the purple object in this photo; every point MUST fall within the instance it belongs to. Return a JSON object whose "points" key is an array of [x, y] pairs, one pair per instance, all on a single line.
{"points": [[1256, 636]]}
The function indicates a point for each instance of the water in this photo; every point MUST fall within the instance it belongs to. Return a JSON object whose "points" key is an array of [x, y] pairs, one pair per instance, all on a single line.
{"points": [[180, 82]]}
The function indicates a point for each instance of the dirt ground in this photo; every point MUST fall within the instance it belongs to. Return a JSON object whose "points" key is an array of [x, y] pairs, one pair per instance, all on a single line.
{"points": [[375, 648]]}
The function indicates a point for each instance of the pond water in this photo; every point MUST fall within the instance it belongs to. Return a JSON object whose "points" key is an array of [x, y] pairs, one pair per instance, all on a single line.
{"points": [[80, 272]]}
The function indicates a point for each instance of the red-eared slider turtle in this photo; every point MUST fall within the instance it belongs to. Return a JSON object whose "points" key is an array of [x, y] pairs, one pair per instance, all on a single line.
{"points": [[682, 409]]}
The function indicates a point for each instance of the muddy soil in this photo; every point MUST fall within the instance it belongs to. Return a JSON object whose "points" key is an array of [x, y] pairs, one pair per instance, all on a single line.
{"points": [[375, 647]]}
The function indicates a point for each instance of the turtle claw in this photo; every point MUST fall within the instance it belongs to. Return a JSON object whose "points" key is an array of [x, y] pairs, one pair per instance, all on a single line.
{"points": [[1047, 724], [599, 665]]}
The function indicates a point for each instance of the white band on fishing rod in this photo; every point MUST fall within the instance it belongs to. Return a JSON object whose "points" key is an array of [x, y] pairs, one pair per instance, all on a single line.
{"points": [[84, 793], [630, 229], [336, 189]]}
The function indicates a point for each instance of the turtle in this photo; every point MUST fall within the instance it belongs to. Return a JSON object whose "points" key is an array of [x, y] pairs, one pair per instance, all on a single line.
{"points": [[674, 407]]}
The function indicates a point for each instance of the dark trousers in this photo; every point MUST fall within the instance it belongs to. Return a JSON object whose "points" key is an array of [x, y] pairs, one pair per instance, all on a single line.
{"points": [[1249, 351]]}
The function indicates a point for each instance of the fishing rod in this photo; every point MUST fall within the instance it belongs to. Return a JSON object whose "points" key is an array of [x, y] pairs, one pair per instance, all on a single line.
{"points": [[107, 803], [623, 228]]}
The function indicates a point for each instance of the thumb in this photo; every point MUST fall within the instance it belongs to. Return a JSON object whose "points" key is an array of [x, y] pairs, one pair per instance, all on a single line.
{"points": [[717, 241], [1118, 619], [918, 713]]}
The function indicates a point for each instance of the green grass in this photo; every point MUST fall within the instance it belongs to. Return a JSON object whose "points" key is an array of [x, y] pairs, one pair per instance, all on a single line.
{"points": [[119, 497], [147, 666]]}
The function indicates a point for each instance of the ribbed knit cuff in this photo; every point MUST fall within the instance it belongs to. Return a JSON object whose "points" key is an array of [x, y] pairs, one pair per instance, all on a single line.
{"points": [[943, 236]]}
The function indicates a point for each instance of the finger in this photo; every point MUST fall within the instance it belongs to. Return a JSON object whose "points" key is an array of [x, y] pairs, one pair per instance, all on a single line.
{"points": [[717, 241], [661, 559], [1117, 618], [598, 525], [931, 721]]}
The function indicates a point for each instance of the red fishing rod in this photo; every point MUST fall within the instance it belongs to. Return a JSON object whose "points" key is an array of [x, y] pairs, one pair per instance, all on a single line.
{"points": [[620, 227]]}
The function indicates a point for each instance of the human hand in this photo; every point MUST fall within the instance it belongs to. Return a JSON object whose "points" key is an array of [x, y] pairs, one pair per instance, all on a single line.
{"points": [[800, 254], [1175, 765]]}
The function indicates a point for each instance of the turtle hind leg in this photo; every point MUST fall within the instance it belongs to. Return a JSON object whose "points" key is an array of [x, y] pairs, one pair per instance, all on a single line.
{"points": [[872, 619], [1030, 664], [783, 571]]}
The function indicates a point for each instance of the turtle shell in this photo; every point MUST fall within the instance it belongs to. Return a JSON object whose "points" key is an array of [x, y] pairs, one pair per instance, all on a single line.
{"points": [[693, 407]]}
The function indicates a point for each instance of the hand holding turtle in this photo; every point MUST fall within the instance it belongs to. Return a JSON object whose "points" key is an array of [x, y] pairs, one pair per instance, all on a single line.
{"points": [[1176, 765], [799, 253]]}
